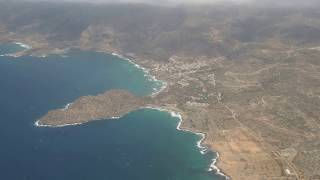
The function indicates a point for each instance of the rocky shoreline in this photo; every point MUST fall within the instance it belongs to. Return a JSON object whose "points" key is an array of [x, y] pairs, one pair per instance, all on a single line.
{"points": [[61, 117], [200, 93], [80, 112], [114, 104]]}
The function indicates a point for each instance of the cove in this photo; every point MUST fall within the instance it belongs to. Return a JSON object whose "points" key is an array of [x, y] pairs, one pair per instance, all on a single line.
{"points": [[143, 145]]}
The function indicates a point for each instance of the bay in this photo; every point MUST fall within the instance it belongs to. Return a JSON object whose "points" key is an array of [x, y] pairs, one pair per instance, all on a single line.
{"points": [[143, 145]]}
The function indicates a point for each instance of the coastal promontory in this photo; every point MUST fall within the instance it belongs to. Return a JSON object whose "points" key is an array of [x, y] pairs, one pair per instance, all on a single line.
{"points": [[246, 75], [111, 104]]}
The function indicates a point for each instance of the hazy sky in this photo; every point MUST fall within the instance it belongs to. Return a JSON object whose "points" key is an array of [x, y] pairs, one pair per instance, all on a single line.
{"points": [[168, 2], [148, 1]]}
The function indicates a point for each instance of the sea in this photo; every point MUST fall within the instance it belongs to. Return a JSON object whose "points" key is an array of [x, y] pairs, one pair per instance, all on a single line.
{"points": [[142, 145]]}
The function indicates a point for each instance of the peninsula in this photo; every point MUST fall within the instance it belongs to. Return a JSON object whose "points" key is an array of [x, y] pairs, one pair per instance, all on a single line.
{"points": [[246, 76]]}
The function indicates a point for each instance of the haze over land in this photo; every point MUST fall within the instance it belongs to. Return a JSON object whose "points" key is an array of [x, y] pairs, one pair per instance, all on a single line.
{"points": [[246, 74]]}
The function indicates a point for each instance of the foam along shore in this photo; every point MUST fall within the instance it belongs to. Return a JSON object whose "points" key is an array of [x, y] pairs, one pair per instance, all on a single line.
{"points": [[25, 46], [70, 111], [16, 54], [199, 143], [38, 124], [146, 74], [9, 55], [202, 148]]}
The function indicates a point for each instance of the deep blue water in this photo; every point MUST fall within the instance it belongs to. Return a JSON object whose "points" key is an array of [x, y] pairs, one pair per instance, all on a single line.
{"points": [[143, 145]]}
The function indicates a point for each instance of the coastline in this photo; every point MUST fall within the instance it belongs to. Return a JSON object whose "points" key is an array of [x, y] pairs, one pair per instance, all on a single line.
{"points": [[55, 126], [17, 54], [65, 125], [146, 74], [203, 149], [23, 45]]}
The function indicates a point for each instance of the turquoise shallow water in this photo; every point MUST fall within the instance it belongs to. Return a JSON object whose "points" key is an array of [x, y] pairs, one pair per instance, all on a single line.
{"points": [[8, 48], [143, 145]]}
